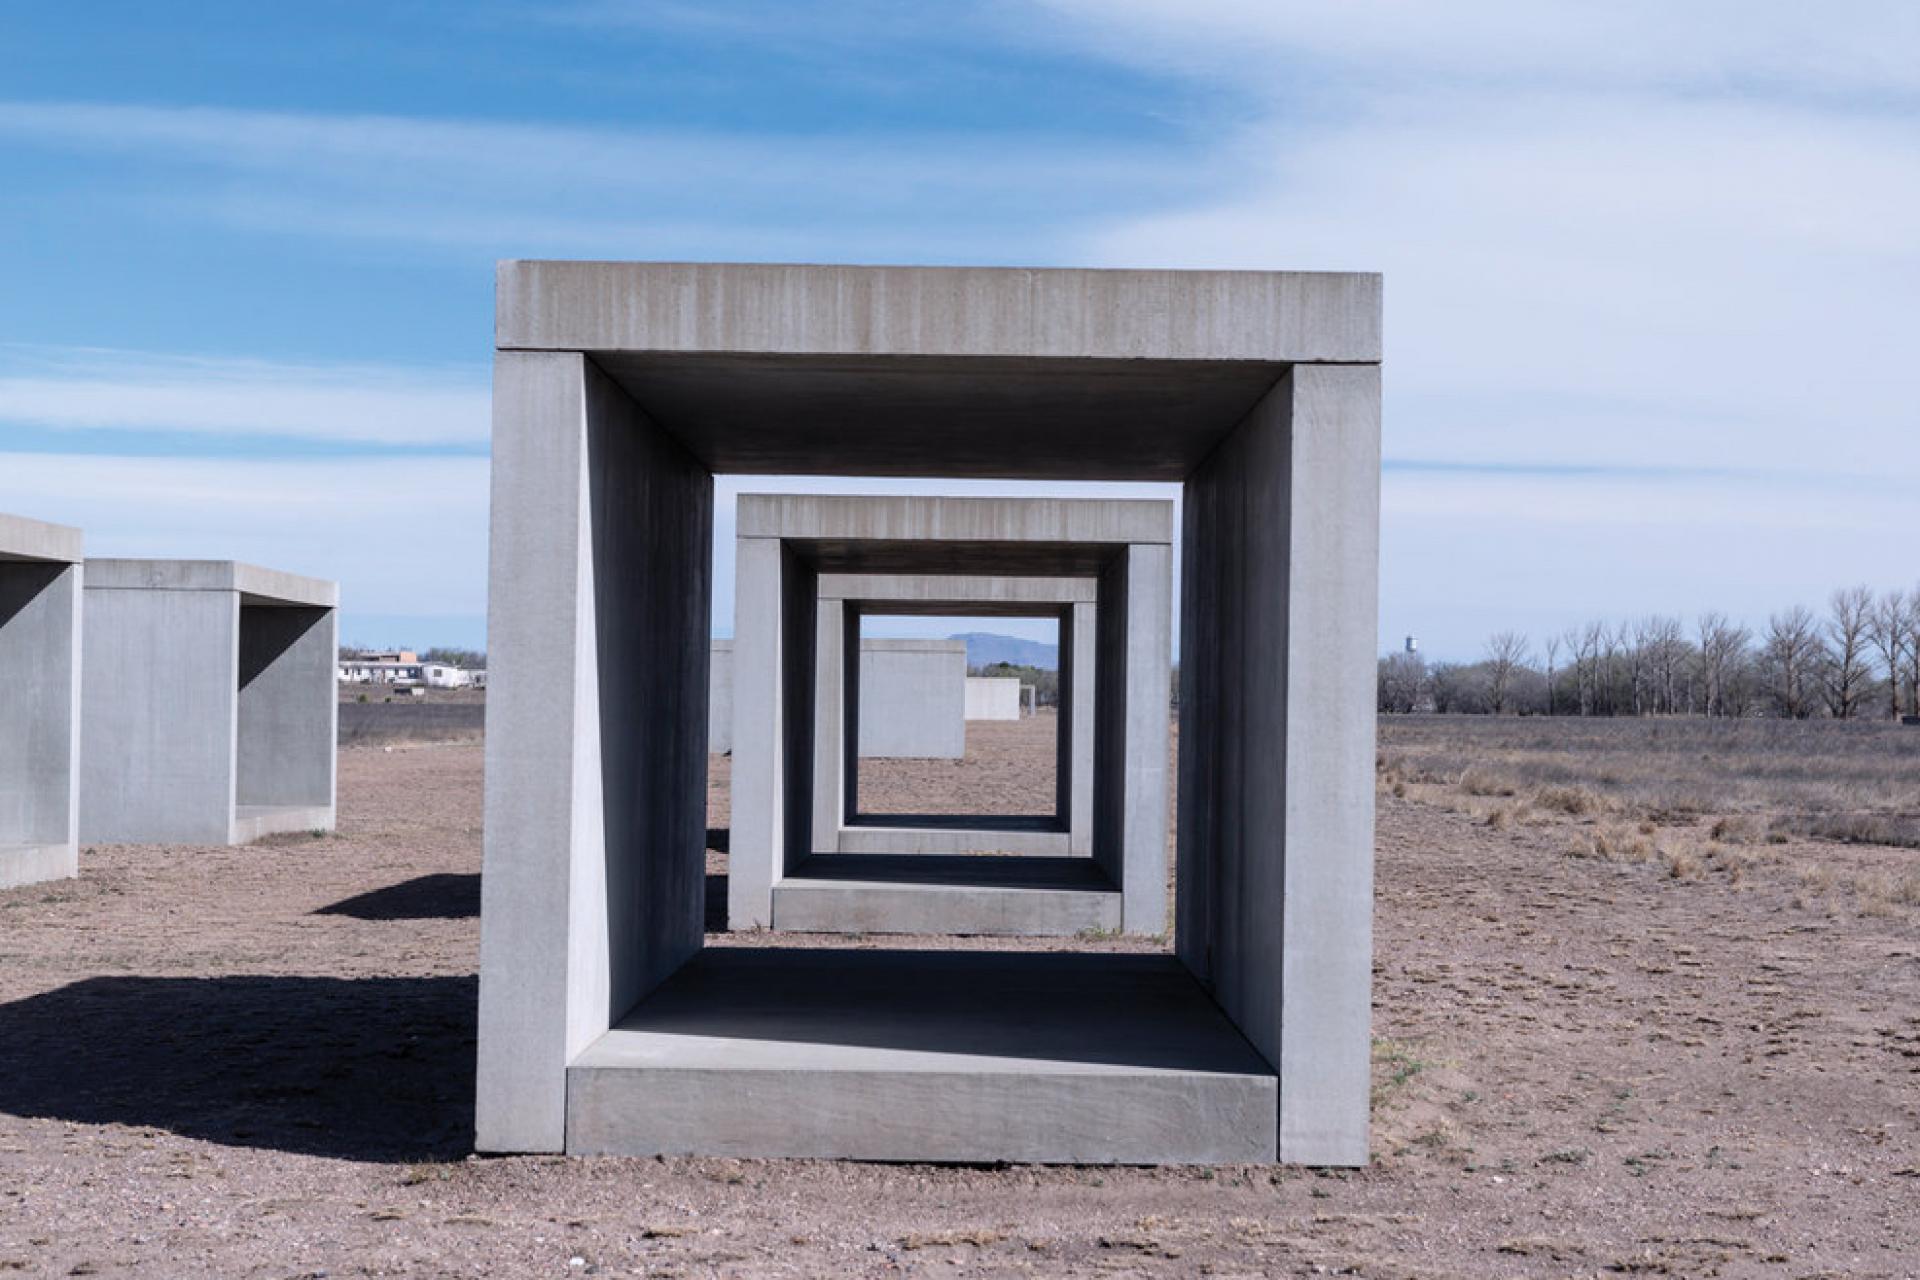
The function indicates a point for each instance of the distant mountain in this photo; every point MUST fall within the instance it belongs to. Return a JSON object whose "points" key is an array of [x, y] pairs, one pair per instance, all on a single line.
{"points": [[984, 648]]}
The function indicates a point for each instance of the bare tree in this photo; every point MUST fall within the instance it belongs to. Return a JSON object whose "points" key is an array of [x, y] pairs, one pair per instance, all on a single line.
{"points": [[1792, 654], [1403, 678], [1913, 650], [1722, 648], [1849, 625], [1506, 655], [1887, 633], [1553, 657]]}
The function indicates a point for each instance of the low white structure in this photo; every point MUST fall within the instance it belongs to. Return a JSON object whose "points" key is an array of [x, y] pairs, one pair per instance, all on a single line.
{"points": [[208, 702], [994, 697], [914, 705], [40, 576]]}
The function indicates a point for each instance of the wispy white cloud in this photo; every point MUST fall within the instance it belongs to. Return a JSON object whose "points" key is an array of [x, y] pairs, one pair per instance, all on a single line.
{"points": [[405, 537], [522, 189], [1847, 48], [133, 391]]}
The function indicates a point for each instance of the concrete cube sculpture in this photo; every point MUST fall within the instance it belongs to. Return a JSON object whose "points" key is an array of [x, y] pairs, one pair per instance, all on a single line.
{"points": [[619, 390], [208, 702], [788, 872], [996, 698], [918, 710], [40, 576], [839, 825]]}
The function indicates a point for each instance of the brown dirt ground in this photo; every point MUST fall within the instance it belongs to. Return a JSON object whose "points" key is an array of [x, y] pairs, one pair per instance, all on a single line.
{"points": [[256, 1062]]}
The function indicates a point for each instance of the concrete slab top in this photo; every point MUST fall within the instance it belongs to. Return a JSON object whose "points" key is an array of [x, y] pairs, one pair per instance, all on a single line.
{"points": [[1043, 313], [849, 518], [802, 1009], [24, 539], [254, 584], [966, 590]]}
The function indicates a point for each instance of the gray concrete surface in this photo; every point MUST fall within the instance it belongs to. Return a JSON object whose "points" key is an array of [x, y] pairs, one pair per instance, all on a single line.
{"points": [[593, 879], [994, 698], [1259, 390], [968, 894], [40, 587], [890, 1055], [1276, 753], [720, 698], [208, 702], [913, 697]]}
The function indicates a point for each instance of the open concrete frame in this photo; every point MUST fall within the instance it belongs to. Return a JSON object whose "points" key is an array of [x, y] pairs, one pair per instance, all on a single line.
{"points": [[839, 826], [620, 388], [785, 870], [209, 702], [40, 576]]}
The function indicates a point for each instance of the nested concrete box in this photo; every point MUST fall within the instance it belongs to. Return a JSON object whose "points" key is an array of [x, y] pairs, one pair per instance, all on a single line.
{"points": [[208, 702], [807, 875], [40, 576], [619, 390], [840, 826]]}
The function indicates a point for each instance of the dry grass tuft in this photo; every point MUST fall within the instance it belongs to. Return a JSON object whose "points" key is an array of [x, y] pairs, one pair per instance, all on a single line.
{"points": [[1573, 801]]}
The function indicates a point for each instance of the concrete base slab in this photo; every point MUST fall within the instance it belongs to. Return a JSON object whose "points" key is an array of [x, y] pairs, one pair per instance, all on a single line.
{"points": [[252, 821], [1008, 896], [943, 1056], [957, 839], [22, 864]]}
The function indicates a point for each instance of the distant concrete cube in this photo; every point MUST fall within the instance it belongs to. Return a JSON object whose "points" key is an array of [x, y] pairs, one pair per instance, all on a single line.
{"points": [[40, 577], [810, 876], [208, 702], [619, 389], [917, 711], [996, 698]]}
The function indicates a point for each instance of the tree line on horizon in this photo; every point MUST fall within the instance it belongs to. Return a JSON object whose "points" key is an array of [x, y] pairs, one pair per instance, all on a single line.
{"points": [[1860, 659]]}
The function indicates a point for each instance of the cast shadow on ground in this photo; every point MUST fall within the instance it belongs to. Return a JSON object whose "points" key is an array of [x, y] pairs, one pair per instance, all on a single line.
{"points": [[377, 1069], [443, 896]]}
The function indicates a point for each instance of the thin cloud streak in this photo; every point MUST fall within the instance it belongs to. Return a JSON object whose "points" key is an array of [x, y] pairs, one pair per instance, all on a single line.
{"points": [[86, 388]]}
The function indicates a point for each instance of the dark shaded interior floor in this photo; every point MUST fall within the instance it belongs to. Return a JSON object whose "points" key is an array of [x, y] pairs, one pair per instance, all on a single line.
{"points": [[960, 870], [831, 1009]]}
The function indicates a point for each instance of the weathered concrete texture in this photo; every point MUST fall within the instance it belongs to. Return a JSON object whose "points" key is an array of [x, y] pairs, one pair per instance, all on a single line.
{"points": [[925, 1056], [985, 894], [993, 697], [40, 586], [913, 699], [1276, 818], [593, 883], [1259, 390], [720, 698], [799, 797], [208, 704]]}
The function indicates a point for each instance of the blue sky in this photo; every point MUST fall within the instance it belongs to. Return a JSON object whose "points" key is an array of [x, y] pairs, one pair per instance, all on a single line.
{"points": [[1651, 269]]}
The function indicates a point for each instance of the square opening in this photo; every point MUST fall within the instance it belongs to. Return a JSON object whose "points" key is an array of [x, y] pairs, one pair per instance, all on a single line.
{"points": [[935, 739]]}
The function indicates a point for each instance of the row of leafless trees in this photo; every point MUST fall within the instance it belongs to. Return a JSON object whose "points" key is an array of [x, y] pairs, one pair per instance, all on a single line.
{"points": [[1860, 658]]}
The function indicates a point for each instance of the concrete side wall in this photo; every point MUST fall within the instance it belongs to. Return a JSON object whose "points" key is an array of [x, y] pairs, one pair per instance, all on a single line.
{"points": [[39, 747], [759, 820], [289, 704], [158, 705], [913, 701], [720, 698], [925, 311], [993, 697], [596, 797], [1149, 686], [1079, 647], [1280, 579]]}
